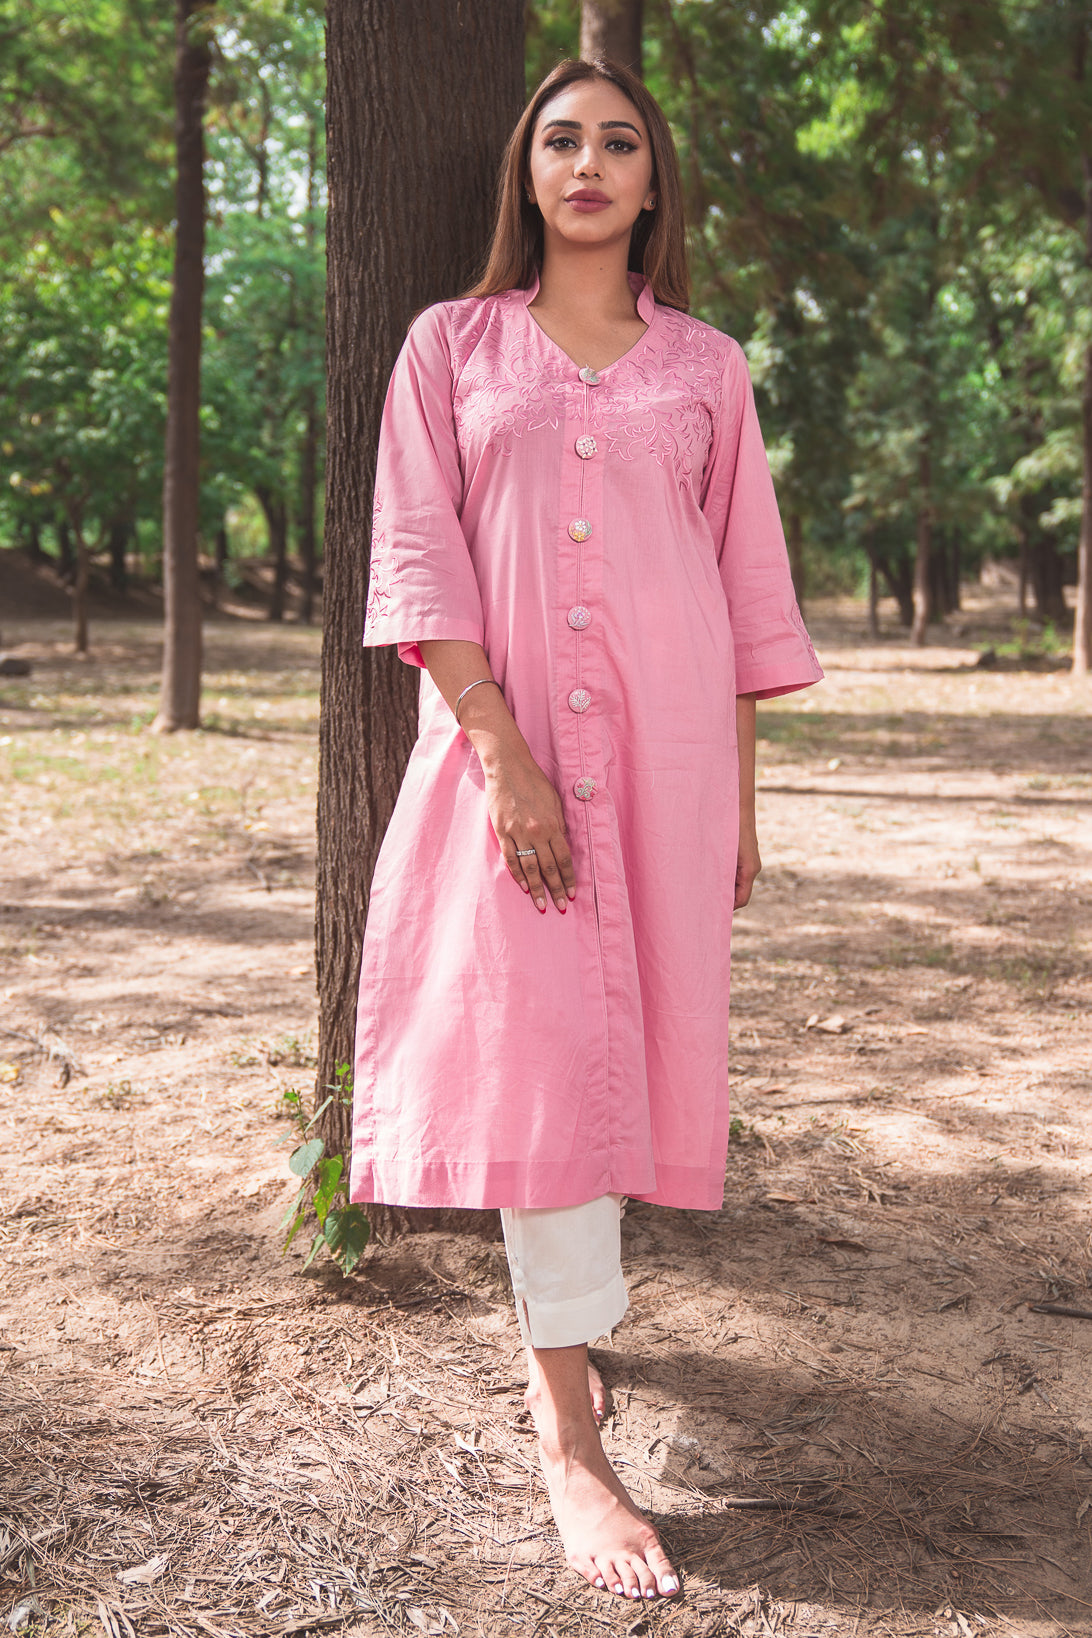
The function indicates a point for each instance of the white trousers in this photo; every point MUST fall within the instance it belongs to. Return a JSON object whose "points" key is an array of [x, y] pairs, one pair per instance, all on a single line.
{"points": [[566, 1265]]}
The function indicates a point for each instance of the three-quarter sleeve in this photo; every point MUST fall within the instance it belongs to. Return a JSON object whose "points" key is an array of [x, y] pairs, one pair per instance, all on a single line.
{"points": [[422, 583], [773, 651]]}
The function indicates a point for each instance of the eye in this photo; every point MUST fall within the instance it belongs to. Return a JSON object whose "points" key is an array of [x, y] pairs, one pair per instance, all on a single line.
{"points": [[560, 142], [623, 144]]}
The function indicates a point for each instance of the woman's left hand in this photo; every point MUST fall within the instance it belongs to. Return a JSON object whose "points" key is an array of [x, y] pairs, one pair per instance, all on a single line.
{"points": [[748, 864]]}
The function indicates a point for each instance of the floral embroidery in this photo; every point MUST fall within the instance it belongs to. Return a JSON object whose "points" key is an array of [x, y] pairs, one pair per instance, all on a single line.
{"points": [[381, 571], [663, 400]]}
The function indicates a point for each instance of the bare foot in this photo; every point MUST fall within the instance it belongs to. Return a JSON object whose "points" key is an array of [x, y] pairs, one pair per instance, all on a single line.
{"points": [[606, 1538]]}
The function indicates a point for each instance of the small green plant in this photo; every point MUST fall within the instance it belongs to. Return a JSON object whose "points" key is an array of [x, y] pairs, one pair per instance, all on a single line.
{"points": [[343, 1228]]}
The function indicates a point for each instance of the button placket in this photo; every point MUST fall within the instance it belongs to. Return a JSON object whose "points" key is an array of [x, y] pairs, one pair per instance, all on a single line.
{"points": [[579, 616]]}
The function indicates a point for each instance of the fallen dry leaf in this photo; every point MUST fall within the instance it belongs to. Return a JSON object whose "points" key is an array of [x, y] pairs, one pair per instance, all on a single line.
{"points": [[834, 1025]]}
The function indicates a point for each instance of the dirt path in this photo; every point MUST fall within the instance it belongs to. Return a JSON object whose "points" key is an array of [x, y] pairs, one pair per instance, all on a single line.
{"points": [[199, 1439]]}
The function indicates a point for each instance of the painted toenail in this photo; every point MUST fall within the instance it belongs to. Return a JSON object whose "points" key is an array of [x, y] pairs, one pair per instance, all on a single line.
{"points": [[600, 1582], [650, 1592], [619, 1587], [668, 1584]]}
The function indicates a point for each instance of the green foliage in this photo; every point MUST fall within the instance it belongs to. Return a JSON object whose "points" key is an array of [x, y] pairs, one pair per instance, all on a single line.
{"points": [[86, 167], [343, 1228]]}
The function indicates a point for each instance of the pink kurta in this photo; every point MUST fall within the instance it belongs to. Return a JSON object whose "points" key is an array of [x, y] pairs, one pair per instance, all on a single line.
{"points": [[616, 548]]}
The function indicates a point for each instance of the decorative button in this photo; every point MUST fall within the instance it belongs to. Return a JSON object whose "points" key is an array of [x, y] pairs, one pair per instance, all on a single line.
{"points": [[579, 699], [589, 377], [586, 447], [579, 529], [579, 617], [585, 789]]}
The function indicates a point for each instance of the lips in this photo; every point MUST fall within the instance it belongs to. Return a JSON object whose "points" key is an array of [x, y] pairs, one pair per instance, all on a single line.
{"points": [[587, 201]]}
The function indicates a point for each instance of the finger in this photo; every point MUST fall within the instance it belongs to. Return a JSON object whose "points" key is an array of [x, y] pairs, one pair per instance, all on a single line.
{"points": [[515, 865], [565, 865], [548, 865], [533, 877]]}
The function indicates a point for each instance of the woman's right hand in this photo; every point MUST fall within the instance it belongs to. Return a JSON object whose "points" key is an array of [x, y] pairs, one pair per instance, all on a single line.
{"points": [[526, 812], [524, 807]]}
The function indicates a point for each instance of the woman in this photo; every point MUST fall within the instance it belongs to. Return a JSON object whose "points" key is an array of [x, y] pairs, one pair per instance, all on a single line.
{"points": [[577, 540]]}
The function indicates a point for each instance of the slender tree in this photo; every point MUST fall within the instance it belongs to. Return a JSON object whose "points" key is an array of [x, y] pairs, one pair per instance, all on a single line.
{"points": [[180, 699], [612, 28], [445, 82]]}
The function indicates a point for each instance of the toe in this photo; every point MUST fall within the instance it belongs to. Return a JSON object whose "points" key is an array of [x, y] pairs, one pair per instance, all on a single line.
{"points": [[667, 1581], [647, 1581]]}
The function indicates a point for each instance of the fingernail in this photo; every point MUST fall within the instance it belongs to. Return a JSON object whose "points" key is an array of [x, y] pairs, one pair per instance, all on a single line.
{"points": [[540, 904], [571, 891], [561, 907], [668, 1584], [524, 886]]}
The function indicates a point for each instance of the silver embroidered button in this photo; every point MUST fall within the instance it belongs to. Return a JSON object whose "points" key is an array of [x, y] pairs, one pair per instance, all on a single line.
{"points": [[579, 529], [589, 377], [585, 789], [579, 699], [586, 447], [579, 617]]}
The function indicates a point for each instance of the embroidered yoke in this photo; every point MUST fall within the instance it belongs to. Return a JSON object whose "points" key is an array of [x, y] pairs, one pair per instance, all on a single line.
{"points": [[613, 541]]}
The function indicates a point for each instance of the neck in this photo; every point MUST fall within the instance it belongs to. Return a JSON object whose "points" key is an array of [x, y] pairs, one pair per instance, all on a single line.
{"points": [[591, 279]]}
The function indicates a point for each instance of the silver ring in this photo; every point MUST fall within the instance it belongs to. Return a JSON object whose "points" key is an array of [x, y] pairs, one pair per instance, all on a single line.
{"points": [[524, 852]]}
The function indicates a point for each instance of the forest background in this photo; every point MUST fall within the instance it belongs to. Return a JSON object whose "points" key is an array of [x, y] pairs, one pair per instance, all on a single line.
{"points": [[891, 208]]}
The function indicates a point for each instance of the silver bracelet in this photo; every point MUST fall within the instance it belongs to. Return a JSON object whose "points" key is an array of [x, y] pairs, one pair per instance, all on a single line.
{"points": [[478, 681]]}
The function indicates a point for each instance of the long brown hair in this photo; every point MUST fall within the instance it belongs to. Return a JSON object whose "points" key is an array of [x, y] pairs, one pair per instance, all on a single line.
{"points": [[657, 246]]}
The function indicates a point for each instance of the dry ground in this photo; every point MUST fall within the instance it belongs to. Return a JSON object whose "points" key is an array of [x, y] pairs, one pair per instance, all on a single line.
{"points": [[835, 1395]]}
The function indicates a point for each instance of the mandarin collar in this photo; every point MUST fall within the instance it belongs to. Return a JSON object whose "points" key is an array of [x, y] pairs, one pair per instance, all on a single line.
{"points": [[641, 287]]}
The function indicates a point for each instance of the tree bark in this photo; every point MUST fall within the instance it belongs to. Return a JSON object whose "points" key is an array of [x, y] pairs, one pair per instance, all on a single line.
{"points": [[873, 587], [180, 698], [923, 601], [66, 556], [795, 543], [398, 239], [276, 518], [79, 594], [309, 449], [1082, 625], [612, 28]]}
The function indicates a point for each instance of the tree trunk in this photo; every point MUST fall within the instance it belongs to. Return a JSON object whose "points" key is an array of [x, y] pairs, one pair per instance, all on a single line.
{"points": [[873, 587], [276, 517], [1082, 625], [32, 543], [900, 584], [309, 449], [923, 602], [398, 238], [308, 482], [612, 28], [795, 542], [1047, 581], [180, 699], [66, 556], [79, 594]]}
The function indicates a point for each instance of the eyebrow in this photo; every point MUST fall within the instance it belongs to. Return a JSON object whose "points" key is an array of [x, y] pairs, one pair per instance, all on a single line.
{"points": [[604, 125]]}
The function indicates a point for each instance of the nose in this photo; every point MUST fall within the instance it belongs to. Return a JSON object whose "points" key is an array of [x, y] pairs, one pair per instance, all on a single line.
{"points": [[587, 161]]}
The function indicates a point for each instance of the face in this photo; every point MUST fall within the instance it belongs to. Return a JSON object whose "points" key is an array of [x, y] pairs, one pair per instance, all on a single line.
{"points": [[590, 170]]}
